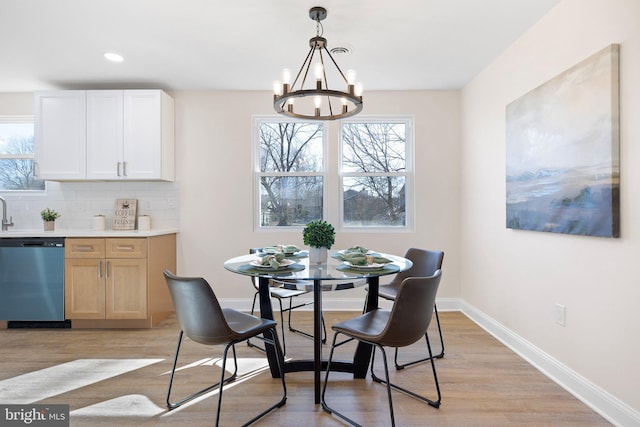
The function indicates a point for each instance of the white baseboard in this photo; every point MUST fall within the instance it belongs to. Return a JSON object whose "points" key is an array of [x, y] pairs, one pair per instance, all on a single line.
{"points": [[598, 399]]}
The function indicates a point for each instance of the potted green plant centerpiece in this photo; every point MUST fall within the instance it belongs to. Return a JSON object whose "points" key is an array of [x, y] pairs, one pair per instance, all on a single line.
{"points": [[319, 235], [49, 217]]}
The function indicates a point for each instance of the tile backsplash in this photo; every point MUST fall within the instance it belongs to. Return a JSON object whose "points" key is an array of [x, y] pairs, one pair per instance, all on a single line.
{"points": [[78, 202]]}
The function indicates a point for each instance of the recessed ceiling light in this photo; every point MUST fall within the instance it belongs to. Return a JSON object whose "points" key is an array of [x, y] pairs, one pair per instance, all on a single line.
{"points": [[113, 57]]}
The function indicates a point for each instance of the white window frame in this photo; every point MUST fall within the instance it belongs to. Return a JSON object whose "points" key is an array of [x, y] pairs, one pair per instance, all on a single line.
{"points": [[19, 119], [409, 175], [257, 120]]}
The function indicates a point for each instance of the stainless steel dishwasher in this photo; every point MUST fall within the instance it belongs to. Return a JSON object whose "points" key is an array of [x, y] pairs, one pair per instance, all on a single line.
{"points": [[32, 281]]}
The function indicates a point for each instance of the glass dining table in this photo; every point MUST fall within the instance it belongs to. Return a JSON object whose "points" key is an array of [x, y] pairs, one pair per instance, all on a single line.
{"points": [[321, 275]]}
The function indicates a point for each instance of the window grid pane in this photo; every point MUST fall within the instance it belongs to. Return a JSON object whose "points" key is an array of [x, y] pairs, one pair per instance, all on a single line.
{"points": [[16, 156], [290, 173], [374, 174]]}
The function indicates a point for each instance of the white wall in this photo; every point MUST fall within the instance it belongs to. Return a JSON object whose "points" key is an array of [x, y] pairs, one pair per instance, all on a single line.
{"points": [[516, 277], [214, 170]]}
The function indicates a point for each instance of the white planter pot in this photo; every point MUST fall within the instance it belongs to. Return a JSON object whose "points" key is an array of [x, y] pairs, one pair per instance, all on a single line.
{"points": [[318, 255]]}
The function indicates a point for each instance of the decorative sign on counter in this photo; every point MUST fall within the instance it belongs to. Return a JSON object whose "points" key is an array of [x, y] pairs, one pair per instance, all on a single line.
{"points": [[124, 215]]}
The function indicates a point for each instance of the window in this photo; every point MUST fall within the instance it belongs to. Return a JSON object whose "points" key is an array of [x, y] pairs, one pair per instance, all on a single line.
{"points": [[375, 173], [290, 172], [16, 155]]}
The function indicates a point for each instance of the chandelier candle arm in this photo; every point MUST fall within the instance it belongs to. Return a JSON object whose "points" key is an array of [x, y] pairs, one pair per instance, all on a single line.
{"points": [[285, 93]]}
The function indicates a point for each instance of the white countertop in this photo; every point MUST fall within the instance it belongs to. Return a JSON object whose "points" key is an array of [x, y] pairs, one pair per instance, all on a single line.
{"points": [[86, 233]]}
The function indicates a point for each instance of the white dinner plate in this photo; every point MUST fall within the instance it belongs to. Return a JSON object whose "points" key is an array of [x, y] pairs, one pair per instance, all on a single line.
{"points": [[374, 266], [283, 264]]}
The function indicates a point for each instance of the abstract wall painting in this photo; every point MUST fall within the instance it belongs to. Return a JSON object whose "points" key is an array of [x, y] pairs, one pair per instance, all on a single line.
{"points": [[562, 148]]}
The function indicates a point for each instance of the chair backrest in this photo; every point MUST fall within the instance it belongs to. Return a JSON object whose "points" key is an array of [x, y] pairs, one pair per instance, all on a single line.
{"points": [[425, 263], [198, 310], [412, 311]]}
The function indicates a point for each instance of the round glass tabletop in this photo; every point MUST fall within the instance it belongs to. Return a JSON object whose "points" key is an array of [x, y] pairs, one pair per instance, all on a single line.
{"points": [[301, 269]]}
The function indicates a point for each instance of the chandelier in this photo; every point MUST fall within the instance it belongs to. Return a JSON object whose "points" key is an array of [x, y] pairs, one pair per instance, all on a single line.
{"points": [[316, 101]]}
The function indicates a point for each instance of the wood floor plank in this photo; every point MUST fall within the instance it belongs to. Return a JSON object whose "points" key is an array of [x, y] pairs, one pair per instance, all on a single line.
{"points": [[483, 383]]}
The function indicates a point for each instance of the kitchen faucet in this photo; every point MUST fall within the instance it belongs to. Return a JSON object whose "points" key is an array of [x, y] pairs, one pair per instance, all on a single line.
{"points": [[5, 224]]}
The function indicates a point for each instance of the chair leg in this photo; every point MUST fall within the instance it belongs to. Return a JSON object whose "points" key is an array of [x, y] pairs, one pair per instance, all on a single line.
{"points": [[441, 354], [173, 405], [253, 307], [434, 403], [437, 356], [292, 329], [325, 406], [280, 360], [387, 382], [284, 342]]}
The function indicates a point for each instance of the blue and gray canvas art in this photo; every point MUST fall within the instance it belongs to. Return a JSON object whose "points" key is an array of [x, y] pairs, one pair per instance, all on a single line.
{"points": [[562, 152]]}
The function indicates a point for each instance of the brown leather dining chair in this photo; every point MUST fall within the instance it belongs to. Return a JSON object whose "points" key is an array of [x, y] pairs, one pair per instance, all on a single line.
{"points": [[203, 320], [404, 324], [425, 263]]}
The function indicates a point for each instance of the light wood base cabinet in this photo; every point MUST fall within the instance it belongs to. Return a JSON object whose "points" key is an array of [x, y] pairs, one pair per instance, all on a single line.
{"points": [[118, 282]]}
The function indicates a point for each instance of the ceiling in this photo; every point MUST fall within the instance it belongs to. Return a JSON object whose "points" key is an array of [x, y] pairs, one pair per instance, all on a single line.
{"points": [[244, 44]]}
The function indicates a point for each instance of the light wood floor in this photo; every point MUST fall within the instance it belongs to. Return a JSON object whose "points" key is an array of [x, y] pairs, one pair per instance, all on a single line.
{"points": [[120, 377]]}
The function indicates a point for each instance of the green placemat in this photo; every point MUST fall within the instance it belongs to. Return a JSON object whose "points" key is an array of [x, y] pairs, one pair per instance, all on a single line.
{"points": [[389, 268]]}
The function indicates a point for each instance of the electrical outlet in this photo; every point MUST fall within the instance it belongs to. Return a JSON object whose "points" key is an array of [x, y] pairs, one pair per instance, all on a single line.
{"points": [[560, 314]]}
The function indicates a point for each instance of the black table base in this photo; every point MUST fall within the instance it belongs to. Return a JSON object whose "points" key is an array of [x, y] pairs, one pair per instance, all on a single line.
{"points": [[362, 355]]}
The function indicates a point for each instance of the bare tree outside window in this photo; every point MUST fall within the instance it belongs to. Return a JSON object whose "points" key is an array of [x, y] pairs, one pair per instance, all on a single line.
{"points": [[374, 174], [17, 157], [290, 173]]}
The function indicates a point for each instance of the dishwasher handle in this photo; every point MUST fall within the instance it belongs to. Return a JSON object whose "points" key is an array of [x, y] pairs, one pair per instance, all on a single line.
{"points": [[46, 244]]}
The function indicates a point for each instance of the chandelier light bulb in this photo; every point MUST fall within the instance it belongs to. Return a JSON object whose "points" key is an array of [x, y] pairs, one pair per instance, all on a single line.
{"points": [[358, 89], [317, 101], [317, 71], [286, 76], [351, 77], [277, 88]]}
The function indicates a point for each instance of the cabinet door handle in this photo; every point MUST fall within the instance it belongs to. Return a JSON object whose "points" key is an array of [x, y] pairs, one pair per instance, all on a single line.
{"points": [[124, 168], [84, 248], [99, 269], [106, 269], [118, 168]]}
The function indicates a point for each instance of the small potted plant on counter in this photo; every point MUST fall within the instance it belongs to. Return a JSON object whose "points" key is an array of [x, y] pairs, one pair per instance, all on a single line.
{"points": [[49, 217], [319, 235]]}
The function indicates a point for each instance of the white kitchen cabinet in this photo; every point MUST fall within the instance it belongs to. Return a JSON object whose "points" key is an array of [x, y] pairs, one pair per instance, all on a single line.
{"points": [[104, 133], [130, 135], [125, 134], [60, 135]]}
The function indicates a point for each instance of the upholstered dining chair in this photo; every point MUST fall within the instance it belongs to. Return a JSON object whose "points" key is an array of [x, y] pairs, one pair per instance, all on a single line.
{"points": [[425, 263], [285, 290], [406, 323], [203, 320]]}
